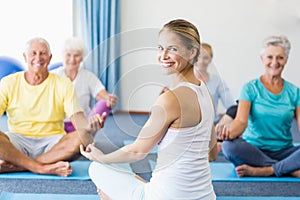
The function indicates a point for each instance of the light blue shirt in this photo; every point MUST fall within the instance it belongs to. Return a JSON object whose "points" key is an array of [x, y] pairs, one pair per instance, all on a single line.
{"points": [[270, 118], [219, 90]]}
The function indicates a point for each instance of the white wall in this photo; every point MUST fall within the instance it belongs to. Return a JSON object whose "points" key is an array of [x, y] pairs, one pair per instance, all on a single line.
{"points": [[22, 20], [234, 28]]}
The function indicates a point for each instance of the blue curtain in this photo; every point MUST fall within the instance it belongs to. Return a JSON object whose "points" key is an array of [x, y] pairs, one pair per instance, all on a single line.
{"points": [[100, 28]]}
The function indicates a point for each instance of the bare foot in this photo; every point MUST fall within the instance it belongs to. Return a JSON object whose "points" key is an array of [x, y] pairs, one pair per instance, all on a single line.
{"points": [[296, 173], [102, 195], [60, 168], [6, 167], [247, 170]]}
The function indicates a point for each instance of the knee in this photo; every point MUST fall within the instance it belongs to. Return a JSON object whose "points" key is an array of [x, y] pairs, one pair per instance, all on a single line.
{"points": [[73, 141], [92, 170], [229, 148], [3, 136], [96, 170]]}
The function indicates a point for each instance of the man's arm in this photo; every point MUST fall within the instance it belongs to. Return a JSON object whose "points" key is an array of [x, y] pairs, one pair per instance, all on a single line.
{"points": [[87, 128]]}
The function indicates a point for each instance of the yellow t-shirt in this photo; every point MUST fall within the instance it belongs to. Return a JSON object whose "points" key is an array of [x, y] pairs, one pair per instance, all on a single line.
{"points": [[37, 110]]}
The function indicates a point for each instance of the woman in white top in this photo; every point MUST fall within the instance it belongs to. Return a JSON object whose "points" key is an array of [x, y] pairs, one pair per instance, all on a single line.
{"points": [[86, 84], [216, 85], [182, 127]]}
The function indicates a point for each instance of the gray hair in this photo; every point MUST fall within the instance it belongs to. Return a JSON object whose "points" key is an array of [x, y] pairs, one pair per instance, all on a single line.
{"points": [[281, 41], [74, 43], [39, 40]]}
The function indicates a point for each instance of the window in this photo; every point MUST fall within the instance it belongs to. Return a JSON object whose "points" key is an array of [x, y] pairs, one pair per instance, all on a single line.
{"points": [[21, 20]]}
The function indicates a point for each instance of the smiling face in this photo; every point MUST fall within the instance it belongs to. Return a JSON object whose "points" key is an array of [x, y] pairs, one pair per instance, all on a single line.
{"points": [[204, 59], [173, 55], [274, 60], [37, 57], [73, 59]]}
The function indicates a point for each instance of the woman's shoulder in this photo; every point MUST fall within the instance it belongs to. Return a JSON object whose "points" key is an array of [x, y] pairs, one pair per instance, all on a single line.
{"points": [[291, 89], [171, 98], [290, 85], [254, 83], [86, 73], [186, 91]]}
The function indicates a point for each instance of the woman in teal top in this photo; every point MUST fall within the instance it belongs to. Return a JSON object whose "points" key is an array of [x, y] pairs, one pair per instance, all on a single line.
{"points": [[259, 140]]}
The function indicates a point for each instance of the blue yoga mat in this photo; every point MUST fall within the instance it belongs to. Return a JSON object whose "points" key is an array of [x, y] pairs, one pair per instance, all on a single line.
{"points": [[225, 172], [30, 196], [79, 172], [257, 198]]}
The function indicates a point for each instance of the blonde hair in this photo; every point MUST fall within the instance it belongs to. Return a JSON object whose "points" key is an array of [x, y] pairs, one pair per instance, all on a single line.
{"points": [[208, 49], [187, 32]]}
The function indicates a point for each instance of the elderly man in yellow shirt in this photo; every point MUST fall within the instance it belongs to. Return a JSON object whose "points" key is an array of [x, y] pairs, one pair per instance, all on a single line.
{"points": [[36, 103]]}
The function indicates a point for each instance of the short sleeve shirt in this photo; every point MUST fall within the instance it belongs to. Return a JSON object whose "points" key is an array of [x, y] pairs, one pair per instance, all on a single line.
{"points": [[270, 118], [37, 110]]}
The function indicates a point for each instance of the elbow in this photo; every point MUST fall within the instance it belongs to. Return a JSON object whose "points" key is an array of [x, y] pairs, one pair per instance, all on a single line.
{"points": [[238, 130], [134, 153], [141, 156], [213, 157], [213, 154], [137, 156]]}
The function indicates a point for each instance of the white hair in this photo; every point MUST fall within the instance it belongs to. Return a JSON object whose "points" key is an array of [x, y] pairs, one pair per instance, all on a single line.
{"points": [[74, 43], [281, 41], [37, 39]]}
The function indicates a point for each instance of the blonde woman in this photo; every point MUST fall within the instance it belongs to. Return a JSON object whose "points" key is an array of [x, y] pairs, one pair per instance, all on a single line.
{"points": [[180, 126]]}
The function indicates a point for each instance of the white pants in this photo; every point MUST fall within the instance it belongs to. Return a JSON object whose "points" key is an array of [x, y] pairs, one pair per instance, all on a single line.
{"points": [[118, 183]]}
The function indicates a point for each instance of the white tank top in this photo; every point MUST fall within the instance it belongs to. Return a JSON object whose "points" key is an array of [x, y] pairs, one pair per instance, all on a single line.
{"points": [[182, 170]]}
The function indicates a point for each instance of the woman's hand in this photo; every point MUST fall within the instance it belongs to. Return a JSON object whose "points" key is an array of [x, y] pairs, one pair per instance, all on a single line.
{"points": [[91, 152], [112, 100], [222, 131]]}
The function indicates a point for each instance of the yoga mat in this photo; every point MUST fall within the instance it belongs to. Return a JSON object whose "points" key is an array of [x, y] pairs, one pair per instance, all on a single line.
{"points": [[153, 151], [152, 164], [225, 172], [80, 172], [31, 196], [257, 198]]}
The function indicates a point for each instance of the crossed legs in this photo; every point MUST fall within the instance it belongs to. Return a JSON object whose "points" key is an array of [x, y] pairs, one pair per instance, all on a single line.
{"points": [[251, 161], [51, 162], [108, 177]]}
